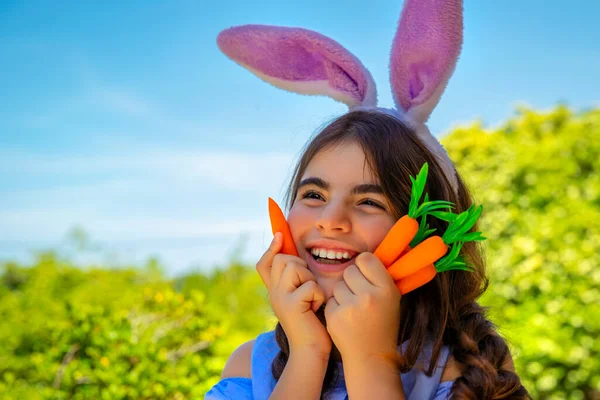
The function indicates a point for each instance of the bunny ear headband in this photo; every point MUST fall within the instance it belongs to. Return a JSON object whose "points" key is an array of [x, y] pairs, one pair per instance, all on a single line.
{"points": [[424, 53]]}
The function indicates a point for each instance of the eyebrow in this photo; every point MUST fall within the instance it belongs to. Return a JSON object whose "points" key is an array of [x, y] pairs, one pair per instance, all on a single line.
{"points": [[364, 188]]}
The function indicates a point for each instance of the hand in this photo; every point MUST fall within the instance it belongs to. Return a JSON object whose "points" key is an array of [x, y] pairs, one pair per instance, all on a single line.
{"points": [[295, 296], [363, 316]]}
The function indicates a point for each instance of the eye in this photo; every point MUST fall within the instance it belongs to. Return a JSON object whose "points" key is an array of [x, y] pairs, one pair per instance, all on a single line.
{"points": [[372, 203], [312, 195]]}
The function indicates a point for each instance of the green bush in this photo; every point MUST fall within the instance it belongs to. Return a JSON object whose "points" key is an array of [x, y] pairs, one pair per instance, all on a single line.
{"points": [[112, 334], [538, 177]]}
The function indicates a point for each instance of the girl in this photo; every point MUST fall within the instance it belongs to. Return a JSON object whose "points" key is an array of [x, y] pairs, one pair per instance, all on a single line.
{"points": [[344, 330], [350, 186]]}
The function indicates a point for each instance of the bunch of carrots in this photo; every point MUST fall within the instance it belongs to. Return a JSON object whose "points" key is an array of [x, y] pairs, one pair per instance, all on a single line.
{"points": [[409, 253]]}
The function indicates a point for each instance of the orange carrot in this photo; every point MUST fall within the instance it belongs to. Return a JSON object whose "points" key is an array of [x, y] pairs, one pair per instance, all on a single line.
{"points": [[406, 250], [279, 224], [396, 240], [418, 279], [425, 253]]}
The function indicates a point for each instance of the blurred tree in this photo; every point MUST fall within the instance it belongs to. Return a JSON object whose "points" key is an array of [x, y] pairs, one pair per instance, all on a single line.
{"points": [[88, 333], [538, 178]]}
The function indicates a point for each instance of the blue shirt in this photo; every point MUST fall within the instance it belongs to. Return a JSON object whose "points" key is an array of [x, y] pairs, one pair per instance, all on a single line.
{"points": [[417, 385]]}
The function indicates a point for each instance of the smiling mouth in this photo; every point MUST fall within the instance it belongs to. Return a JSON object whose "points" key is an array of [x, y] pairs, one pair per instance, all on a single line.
{"points": [[330, 261], [327, 260]]}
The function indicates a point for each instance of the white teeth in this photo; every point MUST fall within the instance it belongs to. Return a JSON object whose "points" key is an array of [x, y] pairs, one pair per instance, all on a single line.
{"points": [[331, 254]]}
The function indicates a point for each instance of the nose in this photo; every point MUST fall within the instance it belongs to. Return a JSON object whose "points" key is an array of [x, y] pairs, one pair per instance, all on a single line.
{"points": [[333, 218]]}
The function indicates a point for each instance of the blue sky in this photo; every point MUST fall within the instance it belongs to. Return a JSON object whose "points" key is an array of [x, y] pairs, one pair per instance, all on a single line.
{"points": [[126, 120]]}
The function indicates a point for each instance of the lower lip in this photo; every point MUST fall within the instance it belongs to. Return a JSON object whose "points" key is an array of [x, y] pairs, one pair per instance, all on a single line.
{"points": [[327, 268]]}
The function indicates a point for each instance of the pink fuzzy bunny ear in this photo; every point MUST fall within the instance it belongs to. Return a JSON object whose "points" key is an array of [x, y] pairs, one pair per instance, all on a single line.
{"points": [[424, 54], [301, 61]]}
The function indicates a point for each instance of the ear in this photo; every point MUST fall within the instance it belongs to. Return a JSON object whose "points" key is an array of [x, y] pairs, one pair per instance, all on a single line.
{"points": [[424, 53], [301, 61]]}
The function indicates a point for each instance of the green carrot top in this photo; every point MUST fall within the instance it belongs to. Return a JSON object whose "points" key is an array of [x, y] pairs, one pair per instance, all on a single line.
{"points": [[459, 225]]}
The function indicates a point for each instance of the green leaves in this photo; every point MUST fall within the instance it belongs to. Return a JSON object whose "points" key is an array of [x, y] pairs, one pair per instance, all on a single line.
{"points": [[416, 210], [86, 333], [418, 185], [460, 224], [538, 176], [422, 233], [456, 235]]}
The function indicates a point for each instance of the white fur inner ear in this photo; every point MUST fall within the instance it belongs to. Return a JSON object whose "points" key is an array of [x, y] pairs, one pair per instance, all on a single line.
{"points": [[320, 87]]}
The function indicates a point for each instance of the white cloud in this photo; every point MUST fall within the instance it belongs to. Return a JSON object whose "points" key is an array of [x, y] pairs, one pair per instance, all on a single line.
{"points": [[43, 224], [122, 101], [226, 170], [44, 195], [95, 98], [109, 189]]}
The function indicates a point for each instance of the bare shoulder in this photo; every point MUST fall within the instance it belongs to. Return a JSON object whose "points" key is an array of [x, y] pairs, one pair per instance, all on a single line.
{"points": [[239, 363]]}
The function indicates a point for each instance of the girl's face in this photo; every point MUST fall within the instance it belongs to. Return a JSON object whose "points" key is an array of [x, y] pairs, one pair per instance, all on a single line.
{"points": [[339, 212]]}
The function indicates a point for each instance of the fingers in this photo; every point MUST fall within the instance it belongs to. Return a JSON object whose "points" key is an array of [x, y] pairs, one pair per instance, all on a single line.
{"points": [[263, 267], [356, 280], [342, 294], [294, 274], [331, 307], [310, 292], [373, 270], [289, 274]]}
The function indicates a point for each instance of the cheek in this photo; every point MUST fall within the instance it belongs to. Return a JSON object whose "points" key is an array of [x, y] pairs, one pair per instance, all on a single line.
{"points": [[300, 220], [375, 232]]}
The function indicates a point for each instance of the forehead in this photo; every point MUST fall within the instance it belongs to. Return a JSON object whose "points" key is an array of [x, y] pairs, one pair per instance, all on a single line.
{"points": [[343, 164]]}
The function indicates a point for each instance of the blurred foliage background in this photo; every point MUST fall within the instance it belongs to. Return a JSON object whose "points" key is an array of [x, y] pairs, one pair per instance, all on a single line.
{"points": [[89, 332]]}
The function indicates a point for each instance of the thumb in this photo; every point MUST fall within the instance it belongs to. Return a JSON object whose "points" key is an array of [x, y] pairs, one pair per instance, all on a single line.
{"points": [[263, 266]]}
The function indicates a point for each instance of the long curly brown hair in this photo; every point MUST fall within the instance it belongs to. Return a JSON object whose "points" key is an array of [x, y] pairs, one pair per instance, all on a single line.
{"points": [[445, 310]]}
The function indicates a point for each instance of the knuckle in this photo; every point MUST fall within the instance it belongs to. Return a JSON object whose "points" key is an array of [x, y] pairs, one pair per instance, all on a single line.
{"points": [[310, 285], [307, 286], [368, 300], [299, 260], [296, 266]]}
